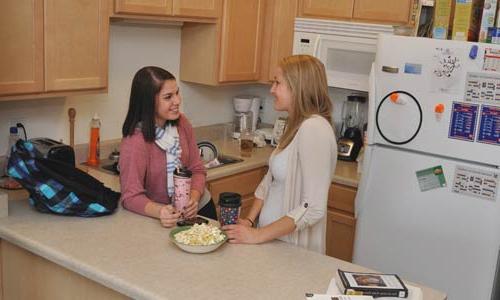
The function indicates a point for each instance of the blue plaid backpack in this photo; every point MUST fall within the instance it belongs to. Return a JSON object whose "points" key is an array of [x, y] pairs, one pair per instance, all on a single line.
{"points": [[57, 187]]}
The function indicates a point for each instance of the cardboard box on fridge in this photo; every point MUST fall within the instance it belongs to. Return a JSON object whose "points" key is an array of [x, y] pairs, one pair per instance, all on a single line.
{"points": [[467, 20], [487, 19], [442, 16], [497, 18]]}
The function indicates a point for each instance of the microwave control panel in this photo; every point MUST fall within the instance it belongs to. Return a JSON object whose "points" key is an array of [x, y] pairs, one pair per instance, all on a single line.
{"points": [[305, 43]]}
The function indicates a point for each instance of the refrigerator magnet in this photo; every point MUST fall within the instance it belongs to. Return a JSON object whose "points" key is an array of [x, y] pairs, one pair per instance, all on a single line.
{"points": [[431, 178], [463, 121], [489, 125], [389, 69], [413, 68]]}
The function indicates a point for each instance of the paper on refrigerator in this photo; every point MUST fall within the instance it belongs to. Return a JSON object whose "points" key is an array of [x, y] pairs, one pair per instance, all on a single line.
{"points": [[476, 183], [446, 70]]}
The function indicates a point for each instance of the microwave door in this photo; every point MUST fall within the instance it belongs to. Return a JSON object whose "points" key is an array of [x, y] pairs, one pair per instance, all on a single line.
{"points": [[347, 62]]}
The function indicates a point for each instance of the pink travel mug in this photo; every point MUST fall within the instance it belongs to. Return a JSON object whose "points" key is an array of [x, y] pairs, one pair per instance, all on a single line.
{"points": [[182, 188]]}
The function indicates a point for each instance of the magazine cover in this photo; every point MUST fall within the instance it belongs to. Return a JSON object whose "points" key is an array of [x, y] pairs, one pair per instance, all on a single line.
{"points": [[372, 284]]}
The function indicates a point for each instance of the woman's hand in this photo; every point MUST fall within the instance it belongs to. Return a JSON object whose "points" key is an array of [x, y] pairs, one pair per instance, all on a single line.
{"points": [[244, 222], [241, 234], [191, 209], [169, 216]]}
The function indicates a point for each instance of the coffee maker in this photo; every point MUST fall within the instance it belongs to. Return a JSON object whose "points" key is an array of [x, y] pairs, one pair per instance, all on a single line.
{"points": [[351, 140], [246, 114]]}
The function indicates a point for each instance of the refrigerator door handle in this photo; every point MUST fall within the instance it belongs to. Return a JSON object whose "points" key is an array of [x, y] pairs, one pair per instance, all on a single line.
{"points": [[370, 131], [495, 292]]}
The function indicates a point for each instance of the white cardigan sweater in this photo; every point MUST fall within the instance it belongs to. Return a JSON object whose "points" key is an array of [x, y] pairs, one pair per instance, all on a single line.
{"points": [[311, 166]]}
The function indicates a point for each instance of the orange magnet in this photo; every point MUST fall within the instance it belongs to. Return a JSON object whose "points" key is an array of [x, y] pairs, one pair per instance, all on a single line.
{"points": [[439, 108], [394, 97]]}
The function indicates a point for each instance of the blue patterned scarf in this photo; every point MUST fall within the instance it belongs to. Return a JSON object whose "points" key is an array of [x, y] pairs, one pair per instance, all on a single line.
{"points": [[168, 139]]}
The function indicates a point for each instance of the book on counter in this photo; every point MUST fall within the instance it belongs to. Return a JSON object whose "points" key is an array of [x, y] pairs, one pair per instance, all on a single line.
{"points": [[311, 296], [372, 284]]}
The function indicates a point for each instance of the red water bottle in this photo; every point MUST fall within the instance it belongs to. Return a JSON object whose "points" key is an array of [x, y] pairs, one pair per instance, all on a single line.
{"points": [[94, 142]]}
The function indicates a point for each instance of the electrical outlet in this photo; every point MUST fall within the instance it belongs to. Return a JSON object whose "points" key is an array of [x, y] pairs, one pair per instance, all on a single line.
{"points": [[13, 122]]}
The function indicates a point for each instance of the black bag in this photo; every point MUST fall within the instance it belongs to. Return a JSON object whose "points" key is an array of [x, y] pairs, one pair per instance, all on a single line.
{"points": [[57, 187]]}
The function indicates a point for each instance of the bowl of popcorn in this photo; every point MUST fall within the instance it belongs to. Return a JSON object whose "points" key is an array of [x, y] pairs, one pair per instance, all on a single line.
{"points": [[199, 238]]}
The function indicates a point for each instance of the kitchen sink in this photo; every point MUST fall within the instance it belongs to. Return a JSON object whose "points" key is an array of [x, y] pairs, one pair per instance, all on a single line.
{"points": [[222, 160], [110, 167]]}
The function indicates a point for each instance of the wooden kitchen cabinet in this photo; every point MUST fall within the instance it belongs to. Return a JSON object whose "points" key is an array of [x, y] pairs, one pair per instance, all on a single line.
{"points": [[341, 223], [144, 7], [46, 51], [165, 8], [242, 27], [384, 11], [76, 52], [197, 8], [326, 8], [228, 51], [243, 183], [21, 49], [278, 37], [340, 230], [401, 12], [26, 275]]}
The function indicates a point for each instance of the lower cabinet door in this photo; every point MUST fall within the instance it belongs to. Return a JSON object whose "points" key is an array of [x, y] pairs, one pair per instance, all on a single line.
{"points": [[340, 230], [243, 183]]}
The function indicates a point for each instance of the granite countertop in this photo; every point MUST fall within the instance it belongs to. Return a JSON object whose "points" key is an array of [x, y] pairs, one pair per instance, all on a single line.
{"points": [[131, 254]]}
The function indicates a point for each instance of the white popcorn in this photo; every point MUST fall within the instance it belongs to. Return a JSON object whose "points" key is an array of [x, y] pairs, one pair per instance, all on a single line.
{"points": [[200, 235]]}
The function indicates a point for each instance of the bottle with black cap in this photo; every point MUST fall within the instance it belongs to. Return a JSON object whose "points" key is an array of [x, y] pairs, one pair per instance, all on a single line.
{"points": [[230, 204], [182, 188]]}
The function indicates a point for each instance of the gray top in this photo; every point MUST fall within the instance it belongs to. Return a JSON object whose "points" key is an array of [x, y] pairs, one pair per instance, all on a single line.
{"points": [[131, 254]]}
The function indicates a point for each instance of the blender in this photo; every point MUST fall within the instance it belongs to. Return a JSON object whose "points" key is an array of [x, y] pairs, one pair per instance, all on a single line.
{"points": [[351, 139]]}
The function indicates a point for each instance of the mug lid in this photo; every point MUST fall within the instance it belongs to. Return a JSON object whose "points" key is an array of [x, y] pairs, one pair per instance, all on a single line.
{"points": [[229, 199], [184, 172]]}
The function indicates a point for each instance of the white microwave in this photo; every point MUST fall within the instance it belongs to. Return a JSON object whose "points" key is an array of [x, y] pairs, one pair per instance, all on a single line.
{"points": [[347, 49]]}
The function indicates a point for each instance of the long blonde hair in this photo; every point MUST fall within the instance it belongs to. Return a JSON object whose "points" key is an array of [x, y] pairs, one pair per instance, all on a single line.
{"points": [[306, 78]]}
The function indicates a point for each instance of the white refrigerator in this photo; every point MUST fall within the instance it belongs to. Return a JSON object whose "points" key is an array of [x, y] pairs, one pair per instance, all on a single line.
{"points": [[427, 206]]}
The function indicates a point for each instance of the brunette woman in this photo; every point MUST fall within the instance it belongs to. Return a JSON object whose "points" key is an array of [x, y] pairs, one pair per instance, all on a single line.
{"points": [[158, 138]]}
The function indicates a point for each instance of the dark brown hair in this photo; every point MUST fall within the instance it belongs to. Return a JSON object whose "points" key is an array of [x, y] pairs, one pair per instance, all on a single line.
{"points": [[146, 84]]}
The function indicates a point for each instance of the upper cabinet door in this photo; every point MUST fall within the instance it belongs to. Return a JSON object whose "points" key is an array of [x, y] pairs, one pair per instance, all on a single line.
{"points": [[242, 26], [197, 8], [21, 46], [145, 7], [384, 11], [327, 8], [76, 44], [278, 37]]}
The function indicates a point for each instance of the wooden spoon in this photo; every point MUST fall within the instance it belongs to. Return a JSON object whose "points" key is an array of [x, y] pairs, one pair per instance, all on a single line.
{"points": [[72, 114]]}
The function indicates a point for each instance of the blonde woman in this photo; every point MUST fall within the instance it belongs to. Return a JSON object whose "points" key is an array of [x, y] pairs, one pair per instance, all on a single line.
{"points": [[291, 200]]}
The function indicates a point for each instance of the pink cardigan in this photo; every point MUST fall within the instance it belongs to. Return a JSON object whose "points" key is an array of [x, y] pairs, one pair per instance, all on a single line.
{"points": [[143, 176]]}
